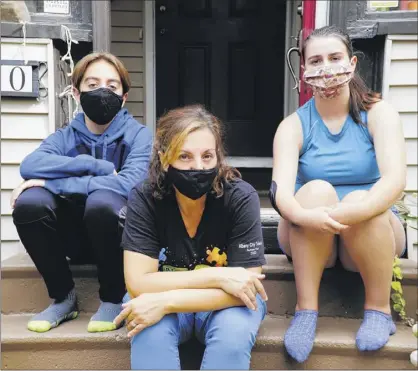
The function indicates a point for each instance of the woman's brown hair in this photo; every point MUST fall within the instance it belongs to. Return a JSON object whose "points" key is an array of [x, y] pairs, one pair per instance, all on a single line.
{"points": [[172, 130], [82, 65], [361, 97]]}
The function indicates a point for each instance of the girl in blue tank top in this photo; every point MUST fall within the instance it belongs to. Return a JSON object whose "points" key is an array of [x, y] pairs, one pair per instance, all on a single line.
{"points": [[339, 166]]}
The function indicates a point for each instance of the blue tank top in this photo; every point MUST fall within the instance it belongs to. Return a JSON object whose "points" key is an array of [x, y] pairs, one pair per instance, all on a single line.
{"points": [[347, 160]]}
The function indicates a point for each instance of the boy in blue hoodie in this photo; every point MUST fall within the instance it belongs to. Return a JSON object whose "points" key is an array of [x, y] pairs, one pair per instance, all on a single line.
{"points": [[76, 184]]}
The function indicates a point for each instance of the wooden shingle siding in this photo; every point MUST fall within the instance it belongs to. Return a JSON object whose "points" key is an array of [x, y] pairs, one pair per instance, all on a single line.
{"points": [[127, 44], [24, 124]]}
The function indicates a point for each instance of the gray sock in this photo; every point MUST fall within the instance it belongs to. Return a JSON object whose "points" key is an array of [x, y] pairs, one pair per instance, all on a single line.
{"points": [[56, 313], [102, 320]]}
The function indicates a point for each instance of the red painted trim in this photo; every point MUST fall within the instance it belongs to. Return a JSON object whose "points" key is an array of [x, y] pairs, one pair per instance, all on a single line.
{"points": [[308, 25]]}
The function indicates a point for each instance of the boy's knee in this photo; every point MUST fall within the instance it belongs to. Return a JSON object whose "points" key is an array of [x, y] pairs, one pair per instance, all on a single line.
{"points": [[33, 204], [100, 208]]}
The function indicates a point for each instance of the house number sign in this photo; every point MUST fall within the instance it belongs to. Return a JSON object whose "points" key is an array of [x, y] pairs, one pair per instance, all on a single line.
{"points": [[57, 6], [19, 79]]}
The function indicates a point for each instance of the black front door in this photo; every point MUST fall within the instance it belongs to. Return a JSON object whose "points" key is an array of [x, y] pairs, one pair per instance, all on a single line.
{"points": [[229, 56]]}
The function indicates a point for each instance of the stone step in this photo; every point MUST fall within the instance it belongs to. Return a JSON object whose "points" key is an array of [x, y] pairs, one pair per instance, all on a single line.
{"points": [[70, 346], [341, 293]]}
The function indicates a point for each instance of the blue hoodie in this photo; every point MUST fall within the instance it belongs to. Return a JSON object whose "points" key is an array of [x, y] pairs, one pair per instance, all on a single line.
{"points": [[75, 161]]}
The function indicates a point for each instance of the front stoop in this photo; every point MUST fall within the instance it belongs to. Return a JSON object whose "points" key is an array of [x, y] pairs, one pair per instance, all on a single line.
{"points": [[341, 293], [70, 346]]}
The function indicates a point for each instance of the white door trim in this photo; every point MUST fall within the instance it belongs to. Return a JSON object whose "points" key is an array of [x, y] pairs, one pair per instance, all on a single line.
{"points": [[322, 13], [250, 162], [150, 114]]}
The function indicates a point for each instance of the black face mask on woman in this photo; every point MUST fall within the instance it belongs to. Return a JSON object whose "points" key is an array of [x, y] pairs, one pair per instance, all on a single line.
{"points": [[192, 183], [101, 105]]}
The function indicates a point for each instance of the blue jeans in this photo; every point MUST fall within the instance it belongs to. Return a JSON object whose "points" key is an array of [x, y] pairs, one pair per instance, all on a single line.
{"points": [[229, 336]]}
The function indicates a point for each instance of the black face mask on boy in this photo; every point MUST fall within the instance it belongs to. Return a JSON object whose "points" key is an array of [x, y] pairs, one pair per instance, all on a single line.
{"points": [[192, 183], [101, 105]]}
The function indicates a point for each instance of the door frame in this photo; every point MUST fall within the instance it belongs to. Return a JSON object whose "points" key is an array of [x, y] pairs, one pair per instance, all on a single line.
{"points": [[150, 104]]}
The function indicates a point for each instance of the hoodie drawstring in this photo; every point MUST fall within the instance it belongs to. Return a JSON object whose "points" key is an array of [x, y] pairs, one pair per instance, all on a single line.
{"points": [[93, 149], [104, 147]]}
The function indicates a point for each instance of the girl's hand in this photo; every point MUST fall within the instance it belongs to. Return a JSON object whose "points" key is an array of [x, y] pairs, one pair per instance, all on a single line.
{"points": [[142, 312], [319, 219]]}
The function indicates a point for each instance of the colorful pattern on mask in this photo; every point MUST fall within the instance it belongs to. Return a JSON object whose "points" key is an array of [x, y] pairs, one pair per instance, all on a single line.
{"points": [[327, 81]]}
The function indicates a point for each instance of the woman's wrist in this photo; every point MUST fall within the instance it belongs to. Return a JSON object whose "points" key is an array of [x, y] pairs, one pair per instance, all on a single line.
{"points": [[168, 301]]}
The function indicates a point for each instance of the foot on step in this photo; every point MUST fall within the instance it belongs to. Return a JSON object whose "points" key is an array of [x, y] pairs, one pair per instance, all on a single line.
{"points": [[375, 330], [300, 335], [56, 313], [102, 320]]}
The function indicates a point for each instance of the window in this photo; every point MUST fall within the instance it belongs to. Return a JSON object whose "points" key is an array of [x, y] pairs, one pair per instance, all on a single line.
{"points": [[392, 5]]}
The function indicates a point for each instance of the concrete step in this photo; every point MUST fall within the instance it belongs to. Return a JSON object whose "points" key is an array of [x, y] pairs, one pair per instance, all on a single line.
{"points": [[70, 346], [341, 293]]}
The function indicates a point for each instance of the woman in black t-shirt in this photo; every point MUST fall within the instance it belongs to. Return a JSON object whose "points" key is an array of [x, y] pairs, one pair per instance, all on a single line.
{"points": [[193, 213]]}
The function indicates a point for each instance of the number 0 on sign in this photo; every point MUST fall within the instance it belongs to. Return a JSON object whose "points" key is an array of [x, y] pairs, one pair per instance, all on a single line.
{"points": [[19, 79], [16, 79]]}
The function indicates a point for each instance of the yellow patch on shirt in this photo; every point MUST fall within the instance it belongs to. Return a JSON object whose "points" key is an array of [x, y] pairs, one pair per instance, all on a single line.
{"points": [[215, 257]]}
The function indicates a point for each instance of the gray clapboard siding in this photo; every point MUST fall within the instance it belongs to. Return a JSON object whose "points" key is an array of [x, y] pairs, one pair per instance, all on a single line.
{"points": [[132, 49], [125, 19], [125, 5], [137, 79], [126, 34], [133, 64], [135, 108], [127, 44]]}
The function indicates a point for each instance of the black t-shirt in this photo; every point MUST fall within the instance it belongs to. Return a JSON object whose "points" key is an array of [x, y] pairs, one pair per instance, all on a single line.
{"points": [[229, 233]]}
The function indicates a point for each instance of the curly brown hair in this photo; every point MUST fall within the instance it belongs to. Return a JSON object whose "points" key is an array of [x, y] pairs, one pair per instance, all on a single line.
{"points": [[172, 130]]}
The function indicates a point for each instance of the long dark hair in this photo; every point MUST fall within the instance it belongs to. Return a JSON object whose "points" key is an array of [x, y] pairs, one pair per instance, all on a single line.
{"points": [[172, 130], [361, 97]]}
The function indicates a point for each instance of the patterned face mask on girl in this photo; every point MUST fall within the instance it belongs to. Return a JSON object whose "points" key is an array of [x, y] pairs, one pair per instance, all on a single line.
{"points": [[328, 81]]}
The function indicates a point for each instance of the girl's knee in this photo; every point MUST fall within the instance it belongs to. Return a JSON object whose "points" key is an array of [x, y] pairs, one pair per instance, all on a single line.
{"points": [[317, 193]]}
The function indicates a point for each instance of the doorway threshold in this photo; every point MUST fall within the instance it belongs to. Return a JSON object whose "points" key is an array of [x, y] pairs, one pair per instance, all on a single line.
{"points": [[250, 162]]}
